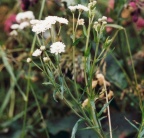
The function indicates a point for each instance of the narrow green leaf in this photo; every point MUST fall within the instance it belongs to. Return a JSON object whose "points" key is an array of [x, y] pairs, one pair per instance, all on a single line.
{"points": [[74, 130], [87, 53], [89, 128], [84, 30], [10, 71], [104, 107], [142, 133], [47, 83], [54, 95], [77, 41], [115, 26], [131, 124]]}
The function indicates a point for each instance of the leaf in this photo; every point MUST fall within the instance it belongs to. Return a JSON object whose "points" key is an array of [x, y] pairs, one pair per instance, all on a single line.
{"points": [[10, 71], [61, 86], [104, 107], [84, 30], [77, 41], [89, 128], [54, 95], [131, 124], [142, 133], [95, 36], [47, 83], [87, 53], [74, 130], [115, 26]]}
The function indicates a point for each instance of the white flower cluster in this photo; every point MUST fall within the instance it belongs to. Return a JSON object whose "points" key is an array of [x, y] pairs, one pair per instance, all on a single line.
{"points": [[23, 19], [81, 22], [57, 47], [23, 16], [101, 23], [79, 7], [103, 20], [92, 4], [39, 26]]}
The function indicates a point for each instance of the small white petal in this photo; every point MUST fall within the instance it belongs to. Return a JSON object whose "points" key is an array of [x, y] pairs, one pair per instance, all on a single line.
{"points": [[15, 26], [13, 33], [72, 8], [62, 20], [82, 7], [23, 25], [37, 53]]}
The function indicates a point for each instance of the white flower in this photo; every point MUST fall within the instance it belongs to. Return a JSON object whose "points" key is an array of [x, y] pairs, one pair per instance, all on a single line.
{"points": [[92, 4], [72, 8], [15, 26], [104, 22], [34, 22], [42, 48], [57, 47], [62, 20], [23, 25], [46, 59], [41, 26], [104, 18], [29, 15], [80, 22], [22, 16], [82, 7], [29, 60], [51, 19], [100, 20], [37, 53], [13, 33]]}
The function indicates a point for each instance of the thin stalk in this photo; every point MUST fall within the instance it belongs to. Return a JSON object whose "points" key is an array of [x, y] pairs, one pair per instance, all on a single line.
{"points": [[123, 56], [92, 68], [37, 66], [85, 59], [26, 105], [95, 121], [73, 53], [59, 30], [108, 109], [134, 72], [123, 70], [40, 112], [67, 102], [12, 104], [28, 81], [40, 15]]}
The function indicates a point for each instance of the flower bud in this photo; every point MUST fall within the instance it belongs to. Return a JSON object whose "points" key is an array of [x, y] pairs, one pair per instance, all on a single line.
{"points": [[46, 59], [42, 48], [29, 60]]}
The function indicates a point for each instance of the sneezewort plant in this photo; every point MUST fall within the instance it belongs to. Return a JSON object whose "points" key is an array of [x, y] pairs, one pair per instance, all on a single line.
{"points": [[51, 53]]}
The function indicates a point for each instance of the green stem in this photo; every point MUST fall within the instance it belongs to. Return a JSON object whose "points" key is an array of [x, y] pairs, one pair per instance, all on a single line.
{"points": [[28, 81], [134, 72], [40, 112], [95, 120], [73, 53], [40, 15], [26, 104], [85, 59]]}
